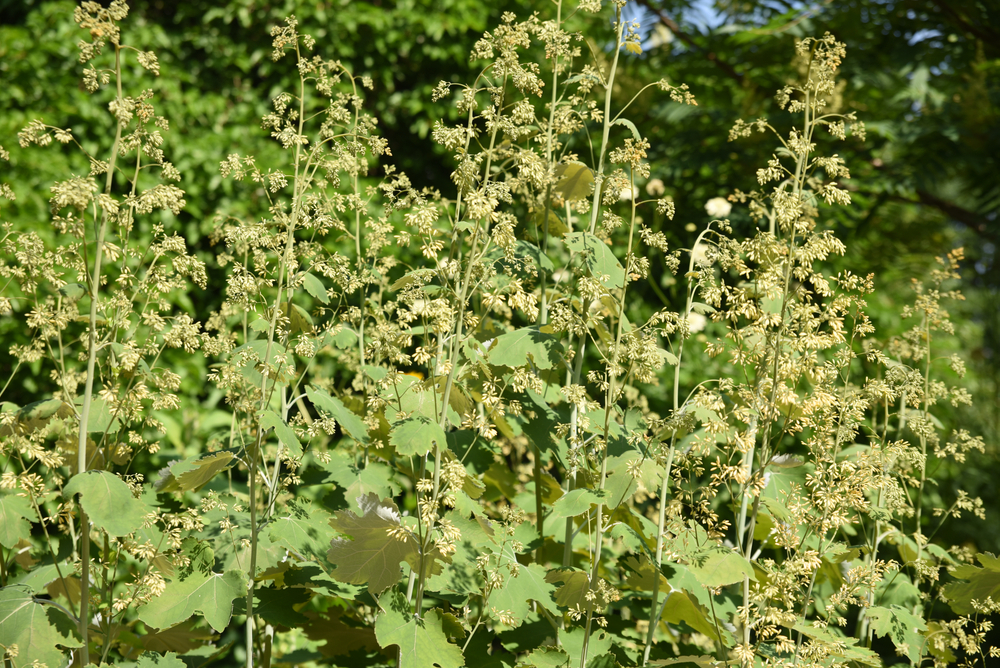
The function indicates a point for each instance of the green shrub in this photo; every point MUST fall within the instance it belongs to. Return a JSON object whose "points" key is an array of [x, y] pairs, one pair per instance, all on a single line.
{"points": [[426, 436]]}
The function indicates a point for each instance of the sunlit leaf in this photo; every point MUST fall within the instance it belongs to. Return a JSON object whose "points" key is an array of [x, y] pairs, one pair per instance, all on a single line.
{"points": [[422, 642], [417, 436], [108, 501], [720, 567], [14, 513], [514, 349], [270, 420], [210, 594], [193, 473], [36, 629], [575, 180], [599, 258], [626, 122], [154, 660], [315, 287], [901, 626]]}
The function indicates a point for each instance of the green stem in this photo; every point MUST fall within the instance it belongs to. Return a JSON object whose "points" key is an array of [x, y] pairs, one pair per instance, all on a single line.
{"points": [[88, 392]]}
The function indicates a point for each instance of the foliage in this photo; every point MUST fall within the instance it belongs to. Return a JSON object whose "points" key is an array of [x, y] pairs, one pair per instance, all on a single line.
{"points": [[432, 406]]}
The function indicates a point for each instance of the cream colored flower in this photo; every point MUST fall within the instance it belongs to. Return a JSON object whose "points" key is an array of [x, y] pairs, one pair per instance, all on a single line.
{"points": [[718, 207]]}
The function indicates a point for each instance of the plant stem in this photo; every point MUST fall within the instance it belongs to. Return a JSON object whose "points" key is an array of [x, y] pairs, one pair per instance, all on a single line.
{"points": [[88, 393]]}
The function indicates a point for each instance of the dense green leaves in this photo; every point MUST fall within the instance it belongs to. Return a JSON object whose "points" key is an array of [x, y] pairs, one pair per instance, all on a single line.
{"points": [[415, 410]]}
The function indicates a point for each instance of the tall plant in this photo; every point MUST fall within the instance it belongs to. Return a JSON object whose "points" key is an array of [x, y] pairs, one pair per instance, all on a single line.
{"points": [[439, 446]]}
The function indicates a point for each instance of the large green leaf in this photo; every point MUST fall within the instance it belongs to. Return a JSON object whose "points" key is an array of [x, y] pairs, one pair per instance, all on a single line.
{"points": [[14, 513], [575, 502], [422, 642], [378, 544], [154, 660], [210, 594], [599, 259], [576, 180], [575, 587], [718, 567], [679, 607], [193, 473], [352, 425], [108, 501], [513, 349], [572, 642], [545, 656], [518, 592], [315, 287], [301, 527], [417, 436], [270, 420], [901, 626], [982, 582], [36, 629]]}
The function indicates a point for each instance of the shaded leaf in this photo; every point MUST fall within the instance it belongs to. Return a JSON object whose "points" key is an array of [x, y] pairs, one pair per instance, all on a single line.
{"points": [[378, 544], [348, 421], [982, 582], [341, 638], [181, 638]]}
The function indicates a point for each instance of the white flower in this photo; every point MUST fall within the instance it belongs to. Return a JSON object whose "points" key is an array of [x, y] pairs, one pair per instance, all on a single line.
{"points": [[718, 207], [628, 194], [696, 322], [655, 188]]}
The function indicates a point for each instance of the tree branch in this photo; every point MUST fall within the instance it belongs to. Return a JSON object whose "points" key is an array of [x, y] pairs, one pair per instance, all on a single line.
{"points": [[689, 40]]}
